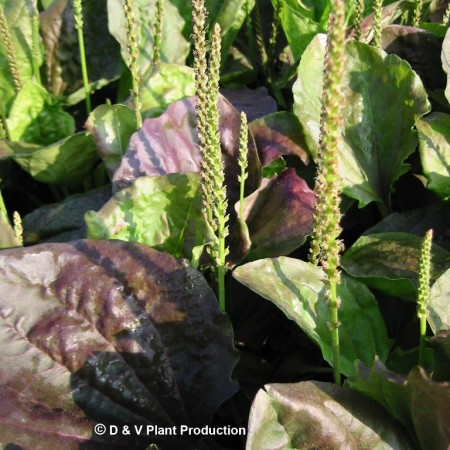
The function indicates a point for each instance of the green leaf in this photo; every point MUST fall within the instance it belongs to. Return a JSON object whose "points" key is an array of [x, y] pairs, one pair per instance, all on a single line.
{"points": [[377, 129], [174, 47], [317, 415], [62, 50], [65, 163], [421, 404], [163, 212], [107, 332], [7, 237], [440, 343], [298, 289], [164, 85], [302, 21], [389, 262], [438, 306], [18, 15], [64, 221], [36, 117], [445, 58], [111, 127], [434, 149]]}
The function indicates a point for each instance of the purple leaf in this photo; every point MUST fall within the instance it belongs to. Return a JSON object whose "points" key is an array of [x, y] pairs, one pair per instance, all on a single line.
{"points": [[168, 144], [279, 215], [256, 103], [279, 134], [109, 332]]}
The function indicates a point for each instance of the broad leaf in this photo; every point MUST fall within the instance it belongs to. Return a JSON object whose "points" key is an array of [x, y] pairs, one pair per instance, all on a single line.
{"points": [[434, 148], [278, 134], [163, 212], [298, 289], [36, 117], [64, 221], [62, 50], [301, 23], [65, 163], [107, 332], [111, 127], [377, 129], [168, 144], [8, 238], [256, 103], [441, 347], [321, 415], [420, 48], [18, 16], [163, 85], [389, 262], [445, 58], [174, 47], [438, 306], [421, 404], [278, 215]]}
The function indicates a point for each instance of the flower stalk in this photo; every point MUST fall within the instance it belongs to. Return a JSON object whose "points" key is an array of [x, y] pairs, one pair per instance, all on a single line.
{"points": [[5, 34], [78, 10], [326, 246], [214, 194], [357, 23], [417, 13], [133, 53], [158, 33], [377, 10], [424, 291], [243, 161], [446, 17], [18, 228]]}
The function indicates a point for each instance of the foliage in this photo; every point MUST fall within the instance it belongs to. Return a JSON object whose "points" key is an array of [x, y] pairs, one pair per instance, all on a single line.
{"points": [[101, 324]]}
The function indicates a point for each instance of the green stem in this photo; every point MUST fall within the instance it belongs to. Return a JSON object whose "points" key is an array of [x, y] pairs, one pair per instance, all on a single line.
{"points": [[79, 26], [334, 325]]}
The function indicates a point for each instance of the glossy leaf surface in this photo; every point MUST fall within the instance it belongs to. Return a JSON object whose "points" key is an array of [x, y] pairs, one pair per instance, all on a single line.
{"points": [[377, 129], [389, 262], [434, 148], [298, 289], [107, 332], [322, 415], [279, 215], [65, 163], [163, 212]]}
